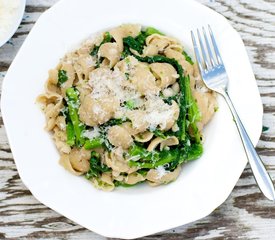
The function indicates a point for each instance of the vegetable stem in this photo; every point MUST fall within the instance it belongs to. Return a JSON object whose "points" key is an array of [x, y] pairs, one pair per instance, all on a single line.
{"points": [[73, 104], [93, 143]]}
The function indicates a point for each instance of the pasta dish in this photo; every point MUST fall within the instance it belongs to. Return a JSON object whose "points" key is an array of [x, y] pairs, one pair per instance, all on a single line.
{"points": [[127, 106]]}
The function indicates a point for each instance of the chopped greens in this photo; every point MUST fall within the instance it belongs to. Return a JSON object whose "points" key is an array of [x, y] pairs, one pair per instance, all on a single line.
{"points": [[130, 104], [106, 38], [159, 133], [150, 30], [188, 58], [70, 134], [139, 152], [265, 128], [162, 158], [123, 184], [193, 113], [96, 167], [93, 143], [138, 42], [62, 77]]}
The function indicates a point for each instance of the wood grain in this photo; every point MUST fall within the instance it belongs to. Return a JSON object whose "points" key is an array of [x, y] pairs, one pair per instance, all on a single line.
{"points": [[246, 214]]}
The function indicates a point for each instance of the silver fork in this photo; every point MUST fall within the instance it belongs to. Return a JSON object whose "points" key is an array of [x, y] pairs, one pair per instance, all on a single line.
{"points": [[215, 78]]}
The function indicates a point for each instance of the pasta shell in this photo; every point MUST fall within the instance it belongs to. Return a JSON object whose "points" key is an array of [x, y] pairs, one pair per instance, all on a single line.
{"points": [[144, 137], [60, 138], [51, 105], [138, 124], [144, 80], [119, 137], [65, 162], [111, 52], [157, 43], [93, 112], [124, 31], [187, 67], [134, 178], [79, 160], [169, 141], [160, 176], [165, 73], [104, 182], [207, 104], [154, 144]]}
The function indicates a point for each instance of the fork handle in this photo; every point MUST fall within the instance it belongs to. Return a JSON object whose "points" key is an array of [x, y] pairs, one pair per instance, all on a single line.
{"points": [[259, 171]]}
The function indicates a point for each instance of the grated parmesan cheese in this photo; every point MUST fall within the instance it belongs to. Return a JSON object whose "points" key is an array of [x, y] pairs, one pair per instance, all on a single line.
{"points": [[113, 83], [161, 172], [106, 82], [91, 134], [157, 112], [8, 12]]}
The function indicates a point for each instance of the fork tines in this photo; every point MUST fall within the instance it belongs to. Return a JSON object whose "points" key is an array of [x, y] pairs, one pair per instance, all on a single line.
{"points": [[204, 53]]}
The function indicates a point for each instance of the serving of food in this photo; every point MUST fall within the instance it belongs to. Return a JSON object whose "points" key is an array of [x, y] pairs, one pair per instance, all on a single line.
{"points": [[125, 106], [128, 106]]}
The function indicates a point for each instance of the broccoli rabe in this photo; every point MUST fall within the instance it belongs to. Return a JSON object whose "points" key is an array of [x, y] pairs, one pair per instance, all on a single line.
{"points": [[106, 38], [93, 143], [187, 58], [62, 77], [70, 134], [72, 99], [96, 167]]}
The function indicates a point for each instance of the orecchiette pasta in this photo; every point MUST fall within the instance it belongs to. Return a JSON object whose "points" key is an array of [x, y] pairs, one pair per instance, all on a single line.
{"points": [[124, 31], [144, 80], [127, 107], [51, 105], [79, 159], [157, 43], [144, 137], [171, 53], [111, 52], [165, 73], [161, 176], [119, 137]]}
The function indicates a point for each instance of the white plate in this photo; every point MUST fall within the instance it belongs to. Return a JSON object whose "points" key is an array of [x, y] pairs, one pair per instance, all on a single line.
{"points": [[16, 22], [127, 213]]}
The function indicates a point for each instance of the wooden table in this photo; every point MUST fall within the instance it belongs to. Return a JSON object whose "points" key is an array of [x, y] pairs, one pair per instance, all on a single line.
{"points": [[246, 214]]}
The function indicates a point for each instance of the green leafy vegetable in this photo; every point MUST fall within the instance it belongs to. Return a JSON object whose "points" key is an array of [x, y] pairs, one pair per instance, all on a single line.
{"points": [[130, 104], [265, 128], [126, 185], [70, 134], [159, 133], [150, 30], [133, 43], [107, 38], [96, 167], [62, 77], [93, 143], [170, 99], [188, 58], [138, 152], [127, 75], [138, 42], [113, 122], [193, 112], [73, 105], [163, 157], [186, 153], [143, 172]]}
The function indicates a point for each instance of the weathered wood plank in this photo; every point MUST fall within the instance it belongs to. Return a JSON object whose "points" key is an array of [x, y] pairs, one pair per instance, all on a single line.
{"points": [[245, 214]]}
